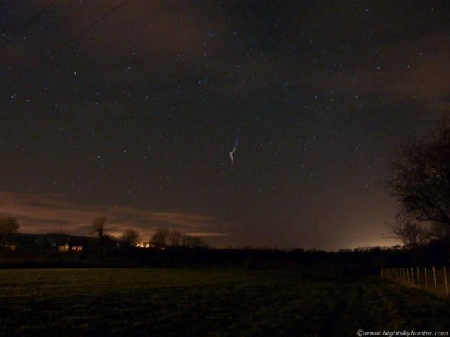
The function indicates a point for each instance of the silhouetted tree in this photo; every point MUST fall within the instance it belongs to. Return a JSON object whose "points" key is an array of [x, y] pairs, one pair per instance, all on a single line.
{"points": [[175, 238], [130, 237], [408, 231], [8, 225], [421, 181], [98, 228], [159, 238]]}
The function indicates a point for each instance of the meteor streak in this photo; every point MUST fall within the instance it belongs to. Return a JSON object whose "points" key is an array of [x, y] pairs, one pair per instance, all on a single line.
{"points": [[232, 157], [236, 142]]}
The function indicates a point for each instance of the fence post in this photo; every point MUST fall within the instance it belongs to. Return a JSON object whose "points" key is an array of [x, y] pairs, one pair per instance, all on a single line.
{"points": [[445, 280], [418, 276], [426, 279], [412, 275], [434, 276]]}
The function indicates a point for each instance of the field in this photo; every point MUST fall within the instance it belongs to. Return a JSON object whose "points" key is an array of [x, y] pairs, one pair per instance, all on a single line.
{"points": [[154, 302]]}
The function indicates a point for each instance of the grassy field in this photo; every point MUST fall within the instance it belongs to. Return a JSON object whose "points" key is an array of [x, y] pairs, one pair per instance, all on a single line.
{"points": [[153, 302]]}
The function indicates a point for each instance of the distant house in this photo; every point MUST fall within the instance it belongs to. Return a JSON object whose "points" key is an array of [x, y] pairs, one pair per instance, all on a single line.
{"points": [[70, 248], [72, 244], [49, 243], [10, 245]]}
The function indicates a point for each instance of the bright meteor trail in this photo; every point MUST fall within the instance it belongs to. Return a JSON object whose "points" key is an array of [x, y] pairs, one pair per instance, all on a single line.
{"points": [[236, 142]]}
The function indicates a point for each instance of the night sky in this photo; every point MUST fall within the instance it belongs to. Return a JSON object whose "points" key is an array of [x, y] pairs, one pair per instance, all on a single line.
{"points": [[135, 119]]}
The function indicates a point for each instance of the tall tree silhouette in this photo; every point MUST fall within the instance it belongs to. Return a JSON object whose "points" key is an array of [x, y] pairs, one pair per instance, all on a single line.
{"points": [[8, 225], [159, 238], [98, 228], [130, 237], [421, 179], [175, 238]]}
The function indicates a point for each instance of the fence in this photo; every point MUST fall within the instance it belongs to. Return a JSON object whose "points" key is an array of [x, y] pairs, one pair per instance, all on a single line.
{"points": [[433, 279]]}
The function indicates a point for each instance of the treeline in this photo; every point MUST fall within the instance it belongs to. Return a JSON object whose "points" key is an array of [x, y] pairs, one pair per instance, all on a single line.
{"points": [[44, 251], [164, 238]]}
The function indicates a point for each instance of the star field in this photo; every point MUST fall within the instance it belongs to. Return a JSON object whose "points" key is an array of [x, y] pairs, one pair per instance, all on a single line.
{"points": [[140, 114]]}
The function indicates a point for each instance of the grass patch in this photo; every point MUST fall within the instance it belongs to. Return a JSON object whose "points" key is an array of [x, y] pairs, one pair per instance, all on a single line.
{"points": [[179, 302]]}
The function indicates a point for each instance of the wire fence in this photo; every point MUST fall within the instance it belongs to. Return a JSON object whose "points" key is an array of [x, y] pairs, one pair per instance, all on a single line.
{"points": [[432, 279]]}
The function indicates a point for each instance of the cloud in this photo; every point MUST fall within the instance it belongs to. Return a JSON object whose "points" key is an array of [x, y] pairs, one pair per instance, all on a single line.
{"points": [[41, 213], [206, 234]]}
